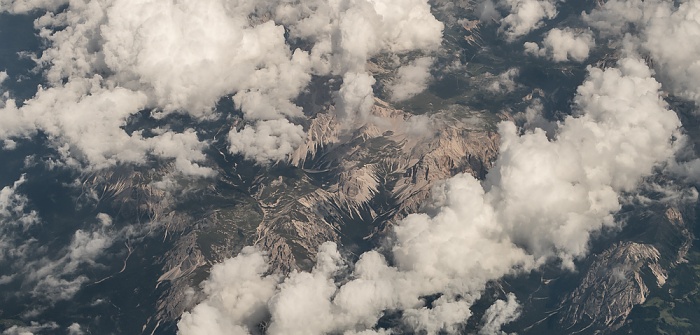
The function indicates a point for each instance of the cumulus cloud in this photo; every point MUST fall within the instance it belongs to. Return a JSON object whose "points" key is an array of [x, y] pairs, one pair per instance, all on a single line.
{"points": [[505, 82], [669, 32], [542, 201], [236, 297], [60, 279], [84, 121], [561, 45], [111, 64], [411, 79], [355, 97], [13, 207], [110, 59], [54, 274], [266, 141], [499, 314], [342, 37], [487, 11], [533, 118], [25, 6], [688, 170], [34, 327], [676, 57], [594, 161], [15, 216], [75, 329], [525, 16], [347, 34], [4, 96], [617, 17], [173, 52]]}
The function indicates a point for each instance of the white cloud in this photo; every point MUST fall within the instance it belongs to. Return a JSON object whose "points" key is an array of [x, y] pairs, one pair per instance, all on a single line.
{"points": [[411, 79], [266, 141], [499, 314], [689, 170], [616, 17], [625, 130], [14, 216], [669, 32], [60, 279], [109, 59], [75, 329], [561, 45], [55, 273], [187, 55], [313, 314], [533, 118], [4, 96], [525, 16], [25, 6], [542, 200], [171, 57], [30, 329], [347, 35], [173, 52], [356, 97], [236, 297], [487, 11], [84, 120], [9, 145], [673, 41], [12, 206], [505, 82]]}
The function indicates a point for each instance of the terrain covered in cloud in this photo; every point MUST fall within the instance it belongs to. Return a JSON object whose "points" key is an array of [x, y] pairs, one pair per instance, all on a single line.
{"points": [[131, 84], [118, 58], [667, 32], [473, 233]]}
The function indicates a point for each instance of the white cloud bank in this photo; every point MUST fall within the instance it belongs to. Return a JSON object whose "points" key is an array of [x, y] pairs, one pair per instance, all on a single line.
{"points": [[542, 200], [25, 6], [347, 34], [411, 79], [525, 16], [109, 59], [667, 31], [561, 45]]}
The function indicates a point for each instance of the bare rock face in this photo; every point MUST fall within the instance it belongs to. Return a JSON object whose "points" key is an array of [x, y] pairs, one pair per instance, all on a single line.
{"points": [[623, 275], [396, 156], [132, 191], [364, 178], [615, 283], [292, 227]]}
